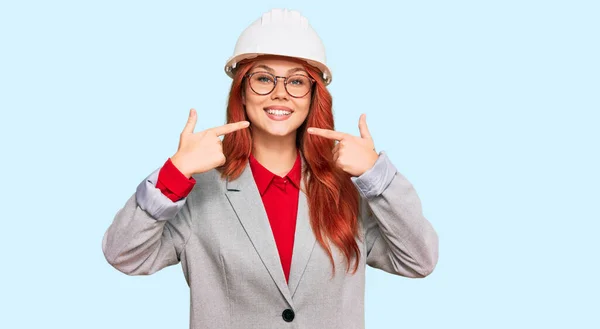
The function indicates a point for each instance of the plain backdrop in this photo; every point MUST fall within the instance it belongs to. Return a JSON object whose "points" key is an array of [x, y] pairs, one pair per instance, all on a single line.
{"points": [[490, 109]]}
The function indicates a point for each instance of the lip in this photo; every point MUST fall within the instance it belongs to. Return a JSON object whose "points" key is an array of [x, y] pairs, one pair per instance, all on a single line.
{"points": [[276, 117]]}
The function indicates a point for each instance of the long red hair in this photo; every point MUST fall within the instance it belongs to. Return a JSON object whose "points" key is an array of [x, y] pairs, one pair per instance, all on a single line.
{"points": [[332, 197]]}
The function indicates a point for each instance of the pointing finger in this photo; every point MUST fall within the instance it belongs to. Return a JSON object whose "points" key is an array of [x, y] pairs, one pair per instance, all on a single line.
{"points": [[191, 123], [327, 133], [362, 126], [231, 127]]}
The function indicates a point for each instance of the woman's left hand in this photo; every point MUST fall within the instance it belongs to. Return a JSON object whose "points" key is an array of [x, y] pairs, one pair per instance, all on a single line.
{"points": [[355, 155]]}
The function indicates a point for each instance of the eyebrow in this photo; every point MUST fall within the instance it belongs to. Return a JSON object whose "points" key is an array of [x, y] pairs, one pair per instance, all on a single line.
{"points": [[290, 71]]}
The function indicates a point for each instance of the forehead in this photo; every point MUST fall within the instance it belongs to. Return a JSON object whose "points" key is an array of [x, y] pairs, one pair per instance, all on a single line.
{"points": [[280, 65]]}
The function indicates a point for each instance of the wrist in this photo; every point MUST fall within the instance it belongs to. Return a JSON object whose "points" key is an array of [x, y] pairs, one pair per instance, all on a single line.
{"points": [[177, 163]]}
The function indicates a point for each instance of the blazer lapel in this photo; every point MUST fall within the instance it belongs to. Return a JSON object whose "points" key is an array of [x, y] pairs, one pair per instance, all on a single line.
{"points": [[304, 241], [247, 204]]}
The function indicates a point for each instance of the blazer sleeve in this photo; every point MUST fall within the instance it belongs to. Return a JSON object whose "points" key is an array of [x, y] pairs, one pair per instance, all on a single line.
{"points": [[149, 232], [399, 239]]}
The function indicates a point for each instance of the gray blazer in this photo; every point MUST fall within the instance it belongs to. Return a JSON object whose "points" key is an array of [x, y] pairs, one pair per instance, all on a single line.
{"points": [[221, 236]]}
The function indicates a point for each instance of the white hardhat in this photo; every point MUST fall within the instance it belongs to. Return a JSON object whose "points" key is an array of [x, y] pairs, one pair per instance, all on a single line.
{"points": [[280, 32]]}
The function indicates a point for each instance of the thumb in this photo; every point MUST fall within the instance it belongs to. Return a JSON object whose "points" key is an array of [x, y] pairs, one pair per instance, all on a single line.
{"points": [[191, 123], [362, 126]]}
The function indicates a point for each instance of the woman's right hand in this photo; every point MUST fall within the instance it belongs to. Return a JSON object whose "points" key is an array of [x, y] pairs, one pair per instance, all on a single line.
{"points": [[202, 151]]}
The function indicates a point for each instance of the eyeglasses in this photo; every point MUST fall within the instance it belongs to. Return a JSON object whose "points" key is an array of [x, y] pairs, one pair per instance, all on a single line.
{"points": [[263, 83]]}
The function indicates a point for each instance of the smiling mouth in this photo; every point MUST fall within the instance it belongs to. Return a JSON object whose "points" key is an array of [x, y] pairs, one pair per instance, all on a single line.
{"points": [[278, 111]]}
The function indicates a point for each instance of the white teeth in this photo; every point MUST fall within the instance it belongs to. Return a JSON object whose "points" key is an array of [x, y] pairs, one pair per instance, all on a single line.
{"points": [[278, 112]]}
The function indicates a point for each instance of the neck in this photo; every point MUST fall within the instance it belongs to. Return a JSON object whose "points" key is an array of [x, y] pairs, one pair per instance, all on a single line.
{"points": [[277, 154]]}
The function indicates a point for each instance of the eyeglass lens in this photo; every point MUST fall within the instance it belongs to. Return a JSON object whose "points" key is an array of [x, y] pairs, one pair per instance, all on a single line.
{"points": [[296, 85]]}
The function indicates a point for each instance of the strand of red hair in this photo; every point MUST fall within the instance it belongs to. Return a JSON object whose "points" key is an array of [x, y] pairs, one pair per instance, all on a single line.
{"points": [[332, 197]]}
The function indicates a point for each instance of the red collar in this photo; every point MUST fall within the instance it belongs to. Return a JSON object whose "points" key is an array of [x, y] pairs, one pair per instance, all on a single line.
{"points": [[263, 177]]}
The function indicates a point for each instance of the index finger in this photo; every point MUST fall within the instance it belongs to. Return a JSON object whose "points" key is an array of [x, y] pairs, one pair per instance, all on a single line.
{"points": [[230, 127], [327, 133]]}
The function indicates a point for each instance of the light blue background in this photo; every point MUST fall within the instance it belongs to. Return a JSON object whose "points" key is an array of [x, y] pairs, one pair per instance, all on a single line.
{"points": [[490, 108]]}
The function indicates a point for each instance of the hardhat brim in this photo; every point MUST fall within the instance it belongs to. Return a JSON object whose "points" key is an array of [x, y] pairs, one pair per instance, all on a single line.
{"points": [[235, 60]]}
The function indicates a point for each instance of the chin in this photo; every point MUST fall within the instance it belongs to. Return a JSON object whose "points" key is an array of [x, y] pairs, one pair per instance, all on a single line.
{"points": [[280, 132], [280, 128]]}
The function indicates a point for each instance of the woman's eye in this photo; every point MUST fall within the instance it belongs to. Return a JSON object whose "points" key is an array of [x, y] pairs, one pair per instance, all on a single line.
{"points": [[264, 79]]}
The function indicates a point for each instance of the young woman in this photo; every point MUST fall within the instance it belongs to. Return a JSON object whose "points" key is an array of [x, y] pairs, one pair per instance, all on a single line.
{"points": [[274, 225]]}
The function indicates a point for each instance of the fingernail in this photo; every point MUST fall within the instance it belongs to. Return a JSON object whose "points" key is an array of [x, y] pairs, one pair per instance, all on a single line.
{"points": [[310, 130]]}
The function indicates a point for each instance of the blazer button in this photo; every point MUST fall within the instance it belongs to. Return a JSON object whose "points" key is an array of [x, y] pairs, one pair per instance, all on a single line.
{"points": [[288, 315]]}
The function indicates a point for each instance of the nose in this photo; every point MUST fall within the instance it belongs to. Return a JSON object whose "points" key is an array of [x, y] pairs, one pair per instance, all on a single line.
{"points": [[279, 92]]}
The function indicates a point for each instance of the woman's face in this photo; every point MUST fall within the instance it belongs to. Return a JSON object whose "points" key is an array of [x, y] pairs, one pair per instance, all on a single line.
{"points": [[276, 114]]}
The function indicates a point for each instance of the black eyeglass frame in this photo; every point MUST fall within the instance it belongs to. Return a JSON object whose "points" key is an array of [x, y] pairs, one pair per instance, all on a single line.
{"points": [[276, 79]]}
